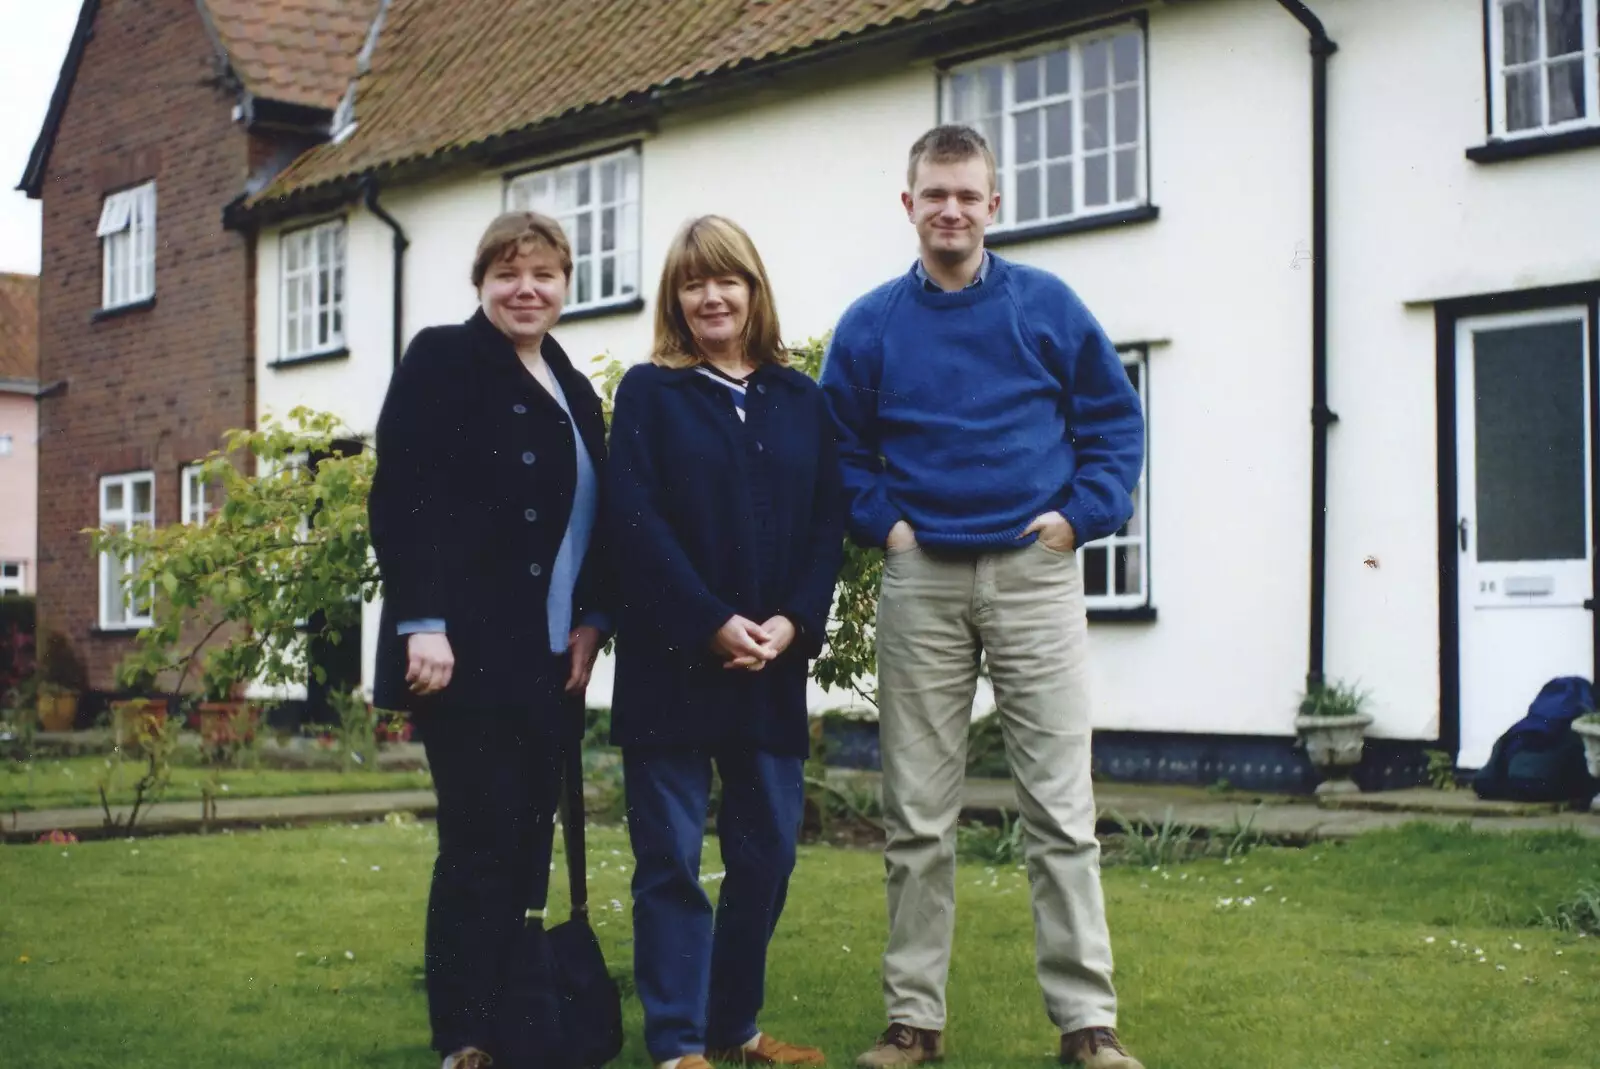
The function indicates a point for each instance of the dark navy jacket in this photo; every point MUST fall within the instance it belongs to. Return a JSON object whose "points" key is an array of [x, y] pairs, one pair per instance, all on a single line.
{"points": [[689, 541], [475, 480]]}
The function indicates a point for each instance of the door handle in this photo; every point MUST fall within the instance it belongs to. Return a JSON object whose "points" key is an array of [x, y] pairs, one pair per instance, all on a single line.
{"points": [[1461, 527]]}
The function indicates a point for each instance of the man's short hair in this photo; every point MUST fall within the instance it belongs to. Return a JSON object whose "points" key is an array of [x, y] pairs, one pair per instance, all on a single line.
{"points": [[950, 143]]}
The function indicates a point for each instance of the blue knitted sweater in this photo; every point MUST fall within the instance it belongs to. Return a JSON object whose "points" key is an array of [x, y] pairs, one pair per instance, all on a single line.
{"points": [[969, 413]]}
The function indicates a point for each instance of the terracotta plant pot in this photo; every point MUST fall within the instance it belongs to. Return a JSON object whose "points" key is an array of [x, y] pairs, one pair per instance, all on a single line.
{"points": [[128, 717], [58, 711], [1334, 745]]}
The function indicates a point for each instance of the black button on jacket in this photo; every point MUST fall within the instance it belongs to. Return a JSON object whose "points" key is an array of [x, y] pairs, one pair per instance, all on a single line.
{"points": [[476, 473]]}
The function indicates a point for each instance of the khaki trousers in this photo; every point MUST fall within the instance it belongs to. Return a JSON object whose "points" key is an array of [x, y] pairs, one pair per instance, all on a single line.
{"points": [[1024, 608]]}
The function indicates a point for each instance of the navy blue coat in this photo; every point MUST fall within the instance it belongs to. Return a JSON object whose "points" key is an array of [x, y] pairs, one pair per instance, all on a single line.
{"points": [[477, 467], [683, 531]]}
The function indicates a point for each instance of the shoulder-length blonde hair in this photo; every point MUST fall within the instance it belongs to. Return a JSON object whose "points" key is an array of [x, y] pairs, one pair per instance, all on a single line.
{"points": [[706, 248]]}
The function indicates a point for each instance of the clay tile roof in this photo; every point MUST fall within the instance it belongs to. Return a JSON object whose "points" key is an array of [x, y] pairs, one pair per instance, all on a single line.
{"points": [[19, 327], [295, 51], [450, 74]]}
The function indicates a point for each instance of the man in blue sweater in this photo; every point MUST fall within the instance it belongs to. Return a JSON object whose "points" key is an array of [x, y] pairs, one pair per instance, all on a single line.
{"points": [[987, 429]]}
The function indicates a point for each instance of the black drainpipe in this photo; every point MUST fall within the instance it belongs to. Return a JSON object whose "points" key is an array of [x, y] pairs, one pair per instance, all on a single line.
{"points": [[1322, 47], [369, 189]]}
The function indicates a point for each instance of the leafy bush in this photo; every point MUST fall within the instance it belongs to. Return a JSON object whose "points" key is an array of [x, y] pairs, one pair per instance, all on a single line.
{"points": [[990, 844], [1580, 913], [1332, 699]]}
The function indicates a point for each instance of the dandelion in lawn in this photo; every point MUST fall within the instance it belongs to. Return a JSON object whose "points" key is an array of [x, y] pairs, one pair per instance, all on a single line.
{"points": [[1499, 968], [616, 907], [24, 960], [1516, 946], [847, 950], [1267, 889], [1428, 940], [1224, 903], [1558, 953], [300, 953], [377, 868], [1454, 943], [350, 955], [1248, 902]]}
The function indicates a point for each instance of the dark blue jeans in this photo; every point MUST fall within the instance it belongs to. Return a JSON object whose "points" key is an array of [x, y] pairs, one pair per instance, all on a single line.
{"points": [[702, 983]]}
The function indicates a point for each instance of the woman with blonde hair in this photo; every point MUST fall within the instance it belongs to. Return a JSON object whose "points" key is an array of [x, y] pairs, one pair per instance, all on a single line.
{"points": [[727, 524]]}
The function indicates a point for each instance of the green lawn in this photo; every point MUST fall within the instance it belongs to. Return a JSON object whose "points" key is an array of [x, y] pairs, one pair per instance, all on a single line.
{"points": [[302, 948], [70, 781]]}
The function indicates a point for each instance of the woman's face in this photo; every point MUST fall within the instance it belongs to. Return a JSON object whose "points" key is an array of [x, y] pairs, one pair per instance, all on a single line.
{"points": [[716, 310], [523, 296]]}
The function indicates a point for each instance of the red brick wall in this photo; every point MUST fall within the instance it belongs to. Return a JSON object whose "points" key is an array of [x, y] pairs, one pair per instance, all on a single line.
{"points": [[151, 389]]}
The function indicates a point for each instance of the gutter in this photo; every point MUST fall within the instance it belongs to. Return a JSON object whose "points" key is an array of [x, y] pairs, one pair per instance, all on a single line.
{"points": [[369, 192], [1322, 46]]}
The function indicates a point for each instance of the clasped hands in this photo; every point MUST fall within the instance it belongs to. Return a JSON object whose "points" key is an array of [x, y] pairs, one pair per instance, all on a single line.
{"points": [[745, 644]]}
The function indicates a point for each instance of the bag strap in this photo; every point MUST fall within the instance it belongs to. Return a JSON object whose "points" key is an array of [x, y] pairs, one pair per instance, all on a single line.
{"points": [[572, 820]]}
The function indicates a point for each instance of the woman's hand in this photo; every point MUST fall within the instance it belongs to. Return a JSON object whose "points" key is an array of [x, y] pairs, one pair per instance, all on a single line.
{"points": [[743, 644], [584, 646], [430, 662]]}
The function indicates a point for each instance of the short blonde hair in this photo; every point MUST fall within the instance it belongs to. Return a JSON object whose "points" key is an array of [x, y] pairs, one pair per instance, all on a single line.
{"points": [[514, 233], [706, 248]]}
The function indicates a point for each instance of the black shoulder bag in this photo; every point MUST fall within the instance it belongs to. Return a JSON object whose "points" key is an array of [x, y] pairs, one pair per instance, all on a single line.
{"points": [[562, 1008]]}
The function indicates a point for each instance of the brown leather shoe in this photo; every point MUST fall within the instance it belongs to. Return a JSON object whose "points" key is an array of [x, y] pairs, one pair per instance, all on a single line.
{"points": [[768, 1051], [902, 1044], [1096, 1048]]}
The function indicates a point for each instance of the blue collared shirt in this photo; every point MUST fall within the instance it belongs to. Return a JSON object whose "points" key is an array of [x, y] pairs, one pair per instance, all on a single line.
{"points": [[977, 280], [569, 558]]}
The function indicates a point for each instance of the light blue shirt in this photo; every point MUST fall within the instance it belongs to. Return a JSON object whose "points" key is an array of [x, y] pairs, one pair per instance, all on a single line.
{"points": [[569, 558]]}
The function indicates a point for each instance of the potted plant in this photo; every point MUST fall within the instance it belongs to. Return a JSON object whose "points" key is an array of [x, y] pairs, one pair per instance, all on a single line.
{"points": [[144, 709], [62, 677], [1587, 728], [1332, 726]]}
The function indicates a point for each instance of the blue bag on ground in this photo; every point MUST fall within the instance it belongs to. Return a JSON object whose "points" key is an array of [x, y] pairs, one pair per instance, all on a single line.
{"points": [[1540, 758]]}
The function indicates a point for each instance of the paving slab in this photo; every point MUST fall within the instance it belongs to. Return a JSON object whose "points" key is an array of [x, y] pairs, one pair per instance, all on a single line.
{"points": [[1289, 817]]}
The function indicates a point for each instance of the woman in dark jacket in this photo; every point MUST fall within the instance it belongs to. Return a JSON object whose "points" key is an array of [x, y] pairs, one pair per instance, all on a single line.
{"points": [[491, 454], [727, 525]]}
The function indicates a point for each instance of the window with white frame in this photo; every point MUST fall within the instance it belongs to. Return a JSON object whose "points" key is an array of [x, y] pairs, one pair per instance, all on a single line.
{"points": [[126, 502], [313, 290], [1065, 122], [196, 494], [596, 201], [127, 234], [1544, 65], [1116, 569], [13, 575]]}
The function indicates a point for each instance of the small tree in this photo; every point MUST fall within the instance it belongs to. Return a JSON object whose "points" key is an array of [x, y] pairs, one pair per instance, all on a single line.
{"points": [[286, 559]]}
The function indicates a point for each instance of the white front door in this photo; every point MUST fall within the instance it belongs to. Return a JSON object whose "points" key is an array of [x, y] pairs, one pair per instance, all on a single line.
{"points": [[1524, 532]]}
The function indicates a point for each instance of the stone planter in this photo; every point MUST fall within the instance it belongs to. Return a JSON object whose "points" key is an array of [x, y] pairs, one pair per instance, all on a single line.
{"points": [[1334, 744], [1589, 732]]}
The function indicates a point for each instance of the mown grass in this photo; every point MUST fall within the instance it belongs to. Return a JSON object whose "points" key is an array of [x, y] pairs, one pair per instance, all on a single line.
{"points": [[60, 783], [303, 948]]}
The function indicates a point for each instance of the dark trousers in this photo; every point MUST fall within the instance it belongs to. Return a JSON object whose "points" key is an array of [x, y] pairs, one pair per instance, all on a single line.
{"points": [[702, 982], [497, 777]]}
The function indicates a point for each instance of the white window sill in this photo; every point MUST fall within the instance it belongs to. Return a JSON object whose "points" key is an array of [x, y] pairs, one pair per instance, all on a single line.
{"points": [[1016, 235], [319, 357], [596, 311], [123, 309]]}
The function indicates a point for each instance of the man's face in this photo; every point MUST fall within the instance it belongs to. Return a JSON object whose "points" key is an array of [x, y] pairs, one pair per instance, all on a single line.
{"points": [[951, 204]]}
